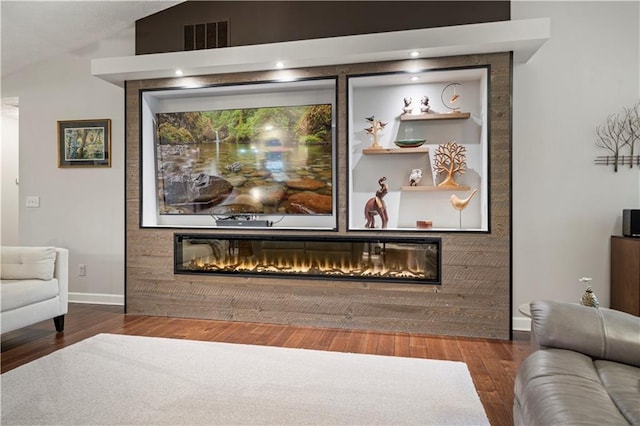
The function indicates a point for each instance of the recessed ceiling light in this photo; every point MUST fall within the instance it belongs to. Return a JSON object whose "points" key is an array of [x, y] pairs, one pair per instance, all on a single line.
{"points": [[179, 72], [415, 78], [414, 54], [279, 64]]}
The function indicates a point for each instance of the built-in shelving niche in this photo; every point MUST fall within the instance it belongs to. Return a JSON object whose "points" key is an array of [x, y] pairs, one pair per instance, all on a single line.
{"points": [[385, 97]]}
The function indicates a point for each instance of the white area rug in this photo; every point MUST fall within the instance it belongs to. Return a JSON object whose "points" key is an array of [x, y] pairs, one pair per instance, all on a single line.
{"points": [[116, 379]]}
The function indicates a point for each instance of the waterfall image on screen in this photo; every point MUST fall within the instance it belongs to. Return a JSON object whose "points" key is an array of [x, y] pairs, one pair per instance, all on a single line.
{"points": [[251, 161]]}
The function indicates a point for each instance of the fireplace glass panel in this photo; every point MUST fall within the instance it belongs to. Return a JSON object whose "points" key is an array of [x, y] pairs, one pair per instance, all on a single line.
{"points": [[413, 260]]}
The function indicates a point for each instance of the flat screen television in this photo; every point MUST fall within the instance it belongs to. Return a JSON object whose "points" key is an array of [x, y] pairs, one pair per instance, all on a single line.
{"points": [[261, 152]]}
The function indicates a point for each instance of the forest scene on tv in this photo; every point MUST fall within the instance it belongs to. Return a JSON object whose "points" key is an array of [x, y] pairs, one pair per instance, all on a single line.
{"points": [[229, 163]]}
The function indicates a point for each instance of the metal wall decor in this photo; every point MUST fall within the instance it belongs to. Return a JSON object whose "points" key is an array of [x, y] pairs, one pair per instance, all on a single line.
{"points": [[619, 135]]}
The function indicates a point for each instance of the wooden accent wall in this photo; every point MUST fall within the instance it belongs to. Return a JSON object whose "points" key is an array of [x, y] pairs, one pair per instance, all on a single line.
{"points": [[474, 298]]}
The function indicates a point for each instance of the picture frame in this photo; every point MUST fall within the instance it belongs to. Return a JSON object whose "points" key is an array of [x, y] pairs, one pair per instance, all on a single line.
{"points": [[84, 143]]}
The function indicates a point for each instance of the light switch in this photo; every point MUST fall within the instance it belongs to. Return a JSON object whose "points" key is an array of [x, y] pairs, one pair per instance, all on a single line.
{"points": [[33, 201]]}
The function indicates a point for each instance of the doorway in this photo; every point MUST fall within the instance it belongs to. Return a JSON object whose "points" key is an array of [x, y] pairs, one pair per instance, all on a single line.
{"points": [[9, 166]]}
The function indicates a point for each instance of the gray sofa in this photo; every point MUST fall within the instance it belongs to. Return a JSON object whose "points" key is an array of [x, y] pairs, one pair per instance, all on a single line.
{"points": [[586, 370]]}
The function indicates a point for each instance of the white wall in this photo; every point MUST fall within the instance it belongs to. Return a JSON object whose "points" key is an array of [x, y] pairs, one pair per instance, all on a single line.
{"points": [[565, 208], [81, 209]]}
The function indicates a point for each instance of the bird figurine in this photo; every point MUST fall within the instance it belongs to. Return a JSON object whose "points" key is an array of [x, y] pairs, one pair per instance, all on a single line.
{"points": [[370, 119], [460, 204], [415, 177]]}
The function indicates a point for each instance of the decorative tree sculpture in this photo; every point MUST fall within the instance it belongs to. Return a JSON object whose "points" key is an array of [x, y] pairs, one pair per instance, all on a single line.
{"points": [[450, 158], [376, 126]]}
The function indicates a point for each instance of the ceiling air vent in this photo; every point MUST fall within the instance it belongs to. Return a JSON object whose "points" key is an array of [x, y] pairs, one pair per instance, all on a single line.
{"points": [[206, 36]]}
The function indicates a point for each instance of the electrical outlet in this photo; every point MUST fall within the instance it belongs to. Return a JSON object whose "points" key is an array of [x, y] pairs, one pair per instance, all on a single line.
{"points": [[32, 201], [82, 270]]}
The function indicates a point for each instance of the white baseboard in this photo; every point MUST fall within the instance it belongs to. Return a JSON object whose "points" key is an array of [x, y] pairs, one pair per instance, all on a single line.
{"points": [[97, 298], [521, 324]]}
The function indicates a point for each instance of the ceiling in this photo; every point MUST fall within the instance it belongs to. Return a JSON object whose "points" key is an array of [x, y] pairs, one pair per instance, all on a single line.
{"points": [[35, 30]]}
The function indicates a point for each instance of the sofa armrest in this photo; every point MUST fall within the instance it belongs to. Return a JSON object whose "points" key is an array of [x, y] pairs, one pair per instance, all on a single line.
{"points": [[61, 272], [598, 332]]}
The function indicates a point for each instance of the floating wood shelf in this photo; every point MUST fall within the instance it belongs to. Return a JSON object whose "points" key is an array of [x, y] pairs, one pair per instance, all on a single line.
{"points": [[434, 116], [374, 151], [435, 188]]}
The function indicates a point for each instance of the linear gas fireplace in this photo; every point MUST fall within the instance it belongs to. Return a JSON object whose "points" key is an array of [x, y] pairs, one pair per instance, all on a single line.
{"points": [[406, 260]]}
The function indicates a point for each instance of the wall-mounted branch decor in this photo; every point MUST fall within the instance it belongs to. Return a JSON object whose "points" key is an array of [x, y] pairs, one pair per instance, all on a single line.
{"points": [[619, 135]]}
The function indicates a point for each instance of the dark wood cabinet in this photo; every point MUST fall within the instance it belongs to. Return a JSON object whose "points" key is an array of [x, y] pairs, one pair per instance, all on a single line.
{"points": [[625, 274]]}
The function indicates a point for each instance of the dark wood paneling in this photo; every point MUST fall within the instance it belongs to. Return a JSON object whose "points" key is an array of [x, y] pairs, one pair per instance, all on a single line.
{"points": [[259, 22], [625, 274], [473, 300]]}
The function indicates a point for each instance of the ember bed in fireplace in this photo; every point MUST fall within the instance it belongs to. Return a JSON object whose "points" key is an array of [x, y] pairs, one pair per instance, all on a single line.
{"points": [[412, 260]]}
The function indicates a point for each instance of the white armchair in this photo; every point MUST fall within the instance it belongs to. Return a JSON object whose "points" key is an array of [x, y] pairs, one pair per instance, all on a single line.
{"points": [[35, 286]]}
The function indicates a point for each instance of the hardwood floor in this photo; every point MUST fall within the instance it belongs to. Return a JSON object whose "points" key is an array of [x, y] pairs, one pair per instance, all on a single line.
{"points": [[492, 363]]}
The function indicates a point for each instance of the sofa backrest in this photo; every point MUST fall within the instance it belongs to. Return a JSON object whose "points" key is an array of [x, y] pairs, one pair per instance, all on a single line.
{"points": [[598, 332], [27, 263]]}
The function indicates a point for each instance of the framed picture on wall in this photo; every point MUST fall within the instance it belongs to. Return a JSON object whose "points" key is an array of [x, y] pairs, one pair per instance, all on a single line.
{"points": [[84, 143]]}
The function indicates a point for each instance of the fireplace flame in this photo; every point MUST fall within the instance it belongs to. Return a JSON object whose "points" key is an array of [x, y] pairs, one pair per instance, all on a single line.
{"points": [[342, 267]]}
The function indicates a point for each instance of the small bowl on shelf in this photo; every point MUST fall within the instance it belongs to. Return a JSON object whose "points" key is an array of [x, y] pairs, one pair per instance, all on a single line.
{"points": [[409, 143]]}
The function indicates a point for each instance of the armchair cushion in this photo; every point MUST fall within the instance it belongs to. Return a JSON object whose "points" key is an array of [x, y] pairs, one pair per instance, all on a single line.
{"points": [[20, 263], [18, 293]]}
